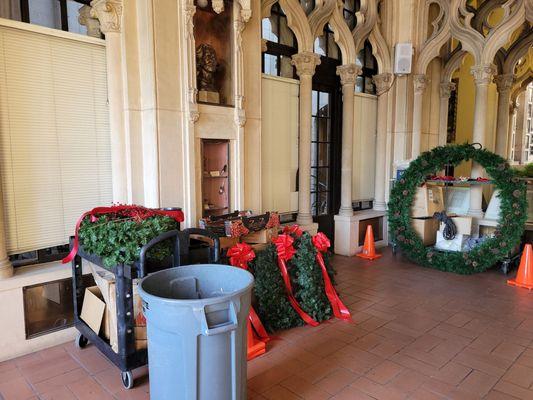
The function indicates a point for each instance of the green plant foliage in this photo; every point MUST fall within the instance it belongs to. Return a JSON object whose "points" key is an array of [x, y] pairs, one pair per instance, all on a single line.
{"points": [[510, 226], [273, 308], [308, 283], [119, 240], [526, 172]]}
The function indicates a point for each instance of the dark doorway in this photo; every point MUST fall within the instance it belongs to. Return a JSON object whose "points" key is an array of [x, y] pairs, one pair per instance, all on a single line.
{"points": [[326, 145]]}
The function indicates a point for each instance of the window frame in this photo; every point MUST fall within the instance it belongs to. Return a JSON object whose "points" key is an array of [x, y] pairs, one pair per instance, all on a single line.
{"points": [[25, 11]]}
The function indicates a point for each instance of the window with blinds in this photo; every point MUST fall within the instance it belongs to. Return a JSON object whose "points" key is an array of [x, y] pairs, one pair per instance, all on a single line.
{"points": [[55, 156]]}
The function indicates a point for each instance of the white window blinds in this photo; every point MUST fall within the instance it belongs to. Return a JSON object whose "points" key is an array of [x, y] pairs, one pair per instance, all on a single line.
{"points": [[55, 156]]}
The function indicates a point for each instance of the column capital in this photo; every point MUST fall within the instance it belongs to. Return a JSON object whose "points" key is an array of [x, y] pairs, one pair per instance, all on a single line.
{"points": [[420, 82], [382, 82], [348, 73], [483, 73], [446, 89], [305, 63], [109, 13], [504, 82], [86, 19]]}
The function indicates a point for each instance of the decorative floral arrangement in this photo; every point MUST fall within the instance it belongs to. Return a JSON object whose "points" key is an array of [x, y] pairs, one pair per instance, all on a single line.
{"points": [[512, 216]]}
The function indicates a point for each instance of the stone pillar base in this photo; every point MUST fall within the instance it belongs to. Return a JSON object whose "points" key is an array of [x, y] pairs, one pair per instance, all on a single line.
{"points": [[312, 228], [347, 232]]}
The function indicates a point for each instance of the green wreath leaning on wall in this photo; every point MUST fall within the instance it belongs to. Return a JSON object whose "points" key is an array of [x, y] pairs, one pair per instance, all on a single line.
{"points": [[510, 227]]}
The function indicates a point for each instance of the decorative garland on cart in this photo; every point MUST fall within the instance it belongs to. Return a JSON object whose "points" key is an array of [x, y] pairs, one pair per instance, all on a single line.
{"points": [[513, 212]]}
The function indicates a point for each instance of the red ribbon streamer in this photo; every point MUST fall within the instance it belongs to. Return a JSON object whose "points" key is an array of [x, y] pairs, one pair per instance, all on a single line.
{"points": [[285, 252], [322, 243], [239, 256], [137, 212], [293, 230]]}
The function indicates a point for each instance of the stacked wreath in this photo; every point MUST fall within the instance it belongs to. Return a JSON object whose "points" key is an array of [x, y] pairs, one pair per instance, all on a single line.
{"points": [[510, 227]]}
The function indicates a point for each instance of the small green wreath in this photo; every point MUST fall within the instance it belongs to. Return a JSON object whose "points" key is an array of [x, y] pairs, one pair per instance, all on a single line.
{"points": [[513, 212]]}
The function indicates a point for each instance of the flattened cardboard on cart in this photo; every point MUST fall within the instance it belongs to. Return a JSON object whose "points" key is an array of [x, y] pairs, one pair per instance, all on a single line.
{"points": [[93, 311], [428, 200]]}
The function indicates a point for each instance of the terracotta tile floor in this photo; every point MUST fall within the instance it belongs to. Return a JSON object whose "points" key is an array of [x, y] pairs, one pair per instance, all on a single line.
{"points": [[418, 334]]}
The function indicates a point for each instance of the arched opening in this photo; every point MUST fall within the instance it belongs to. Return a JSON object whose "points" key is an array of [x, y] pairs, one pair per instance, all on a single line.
{"points": [[369, 68]]}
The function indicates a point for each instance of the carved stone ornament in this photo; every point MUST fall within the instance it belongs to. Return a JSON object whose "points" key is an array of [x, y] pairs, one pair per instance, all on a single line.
{"points": [[483, 73], [264, 47], [92, 24], [504, 82], [305, 62], [420, 82], [348, 73], [206, 67], [218, 6], [382, 82], [109, 13], [446, 89]]}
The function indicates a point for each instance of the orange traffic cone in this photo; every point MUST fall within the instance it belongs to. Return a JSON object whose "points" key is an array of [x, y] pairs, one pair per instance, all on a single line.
{"points": [[369, 249], [524, 277], [256, 347]]}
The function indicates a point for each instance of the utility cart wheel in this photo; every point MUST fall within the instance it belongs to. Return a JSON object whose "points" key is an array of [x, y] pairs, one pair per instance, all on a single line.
{"points": [[81, 341], [127, 379]]}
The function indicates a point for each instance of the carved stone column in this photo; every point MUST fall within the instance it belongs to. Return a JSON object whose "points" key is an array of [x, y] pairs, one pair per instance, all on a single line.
{"points": [[86, 19], [383, 83], [513, 109], [503, 83], [305, 63], [482, 77], [109, 13], [348, 73], [420, 81], [446, 89]]}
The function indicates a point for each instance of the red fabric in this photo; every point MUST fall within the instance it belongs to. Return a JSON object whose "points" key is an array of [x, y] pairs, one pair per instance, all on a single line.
{"points": [[293, 230], [285, 252], [322, 243], [138, 213]]}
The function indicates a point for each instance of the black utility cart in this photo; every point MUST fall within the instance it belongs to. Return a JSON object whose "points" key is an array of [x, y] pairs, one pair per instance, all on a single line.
{"points": [[128, 358]]}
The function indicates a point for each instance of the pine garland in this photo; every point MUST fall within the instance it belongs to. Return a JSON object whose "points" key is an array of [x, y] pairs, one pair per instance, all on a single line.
{"points": [[510, 227]]}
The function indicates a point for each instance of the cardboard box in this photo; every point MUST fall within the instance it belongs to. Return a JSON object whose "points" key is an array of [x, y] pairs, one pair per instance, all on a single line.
{"points": [[428, 200], [456, 244], [426, 228], [228, 242], [463, 225], [93, 309], [262, 236]]}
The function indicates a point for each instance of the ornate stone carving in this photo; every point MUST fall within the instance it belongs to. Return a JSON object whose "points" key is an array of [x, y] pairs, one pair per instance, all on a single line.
{"points": [[109, 12], [263, 45], [446, 89], [206, 66], [86, 19], [504, 82], [246, 9], [483, 73], [305, 62], [420, 82], [383, 82], [240, 117], [189, 10], [218, 6], [348, 73]]}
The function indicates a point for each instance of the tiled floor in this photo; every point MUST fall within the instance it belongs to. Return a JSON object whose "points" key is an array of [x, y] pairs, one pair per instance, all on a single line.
{"points": [[418, 334]]}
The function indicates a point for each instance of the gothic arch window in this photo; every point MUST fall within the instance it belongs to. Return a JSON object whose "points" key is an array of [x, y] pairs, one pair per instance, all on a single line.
{"points": [[280, 43], [308, 6], [367, 61], [326, 46], [349, 9]]}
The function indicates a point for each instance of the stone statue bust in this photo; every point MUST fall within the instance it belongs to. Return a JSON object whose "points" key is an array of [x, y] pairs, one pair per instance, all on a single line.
{"points": [[206, 66]]}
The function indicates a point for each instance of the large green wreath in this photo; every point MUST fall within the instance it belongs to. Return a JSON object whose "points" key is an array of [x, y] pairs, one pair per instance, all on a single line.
{"points": [[512, 216]]}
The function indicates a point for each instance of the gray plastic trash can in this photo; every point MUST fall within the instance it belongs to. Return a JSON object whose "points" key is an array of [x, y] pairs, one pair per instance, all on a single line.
{"points": [[196, 322]]}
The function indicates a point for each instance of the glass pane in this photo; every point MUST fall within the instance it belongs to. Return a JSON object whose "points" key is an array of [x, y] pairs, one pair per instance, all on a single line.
{"points": [[313, 203], [359, 84], [369, 85], [314, 155], [322, 203], [320, 45], [72, 16], [333, 49], [323, 105], [45, 13], [350, 19], [314, 102], [270, 28], [285, 34], [360, 58], [349, 5], [308, 5], [323, 181], [314, 129], [323, 129], [369, 58], [314, 178], [271, 64], [286, 68], [323, 154]]}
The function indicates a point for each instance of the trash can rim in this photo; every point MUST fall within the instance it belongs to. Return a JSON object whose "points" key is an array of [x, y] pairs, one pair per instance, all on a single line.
{"points": [[146, 296]]}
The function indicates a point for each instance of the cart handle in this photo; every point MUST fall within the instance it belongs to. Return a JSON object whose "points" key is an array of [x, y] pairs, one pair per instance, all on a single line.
{"points": [[164, 236], [214, 251]]}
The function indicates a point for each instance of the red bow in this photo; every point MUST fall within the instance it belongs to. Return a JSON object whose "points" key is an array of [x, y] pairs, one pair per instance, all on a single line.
{"points": [[240, 255], [138, 213], [322, 243], [293, 230], [285, 253]]}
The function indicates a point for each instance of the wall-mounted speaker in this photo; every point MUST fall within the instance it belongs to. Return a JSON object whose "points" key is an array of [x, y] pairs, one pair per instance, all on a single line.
{"points": [[403, 58]]}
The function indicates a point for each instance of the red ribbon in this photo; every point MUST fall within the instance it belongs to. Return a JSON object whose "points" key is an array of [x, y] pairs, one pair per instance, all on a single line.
{"points": [[239, 256], [293, 230], [138, 213], [286, 251], [322, 243]]}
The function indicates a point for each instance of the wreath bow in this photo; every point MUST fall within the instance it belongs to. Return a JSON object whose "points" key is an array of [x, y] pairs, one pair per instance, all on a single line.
{"points": [[284, 247], [293, 230]]}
